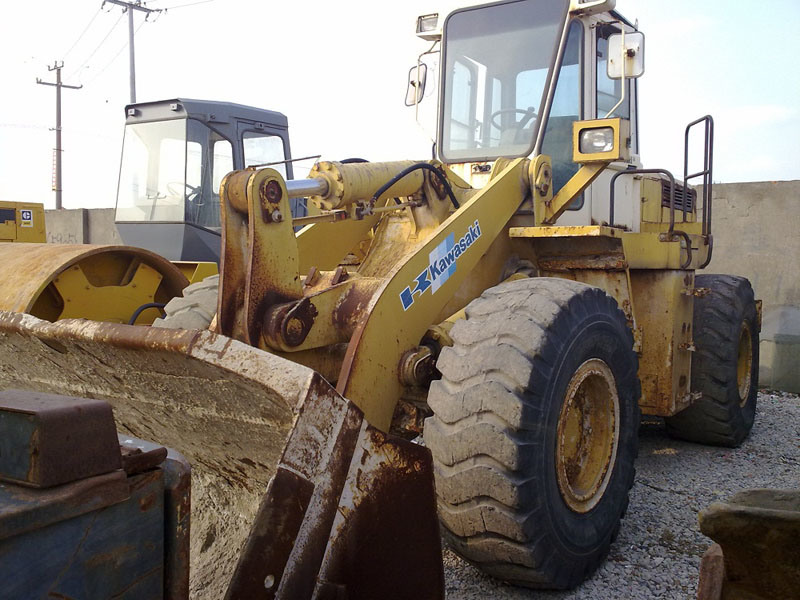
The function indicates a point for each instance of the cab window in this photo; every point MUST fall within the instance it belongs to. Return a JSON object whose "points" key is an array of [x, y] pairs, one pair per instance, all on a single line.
{"points": [[565, 110], [263, 149]]}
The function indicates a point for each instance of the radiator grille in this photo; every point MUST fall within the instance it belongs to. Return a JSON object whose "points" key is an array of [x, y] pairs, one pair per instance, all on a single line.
{"points": [[685, 197]]}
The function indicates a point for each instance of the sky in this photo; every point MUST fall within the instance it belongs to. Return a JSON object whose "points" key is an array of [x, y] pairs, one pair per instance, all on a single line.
{"points": [[338, 70]]}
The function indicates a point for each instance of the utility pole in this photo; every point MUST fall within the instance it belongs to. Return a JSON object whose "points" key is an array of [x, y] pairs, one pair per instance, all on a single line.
{"points": [[130, 7], [58, 85]]}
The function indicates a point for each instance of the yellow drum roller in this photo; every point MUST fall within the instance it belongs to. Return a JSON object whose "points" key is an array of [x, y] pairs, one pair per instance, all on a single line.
{"points": [[118, 284]]}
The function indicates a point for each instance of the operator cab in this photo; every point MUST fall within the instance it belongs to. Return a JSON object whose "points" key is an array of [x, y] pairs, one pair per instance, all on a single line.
{"points": [[175, 154], [514, 76]]}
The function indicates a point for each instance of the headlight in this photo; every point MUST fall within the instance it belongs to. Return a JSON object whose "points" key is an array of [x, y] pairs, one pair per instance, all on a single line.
{"points": [[428, 27], [597, 140]]}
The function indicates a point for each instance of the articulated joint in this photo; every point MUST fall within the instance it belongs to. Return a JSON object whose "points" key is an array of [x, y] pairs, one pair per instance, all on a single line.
{"points": [[289, 324], [417, 366]]}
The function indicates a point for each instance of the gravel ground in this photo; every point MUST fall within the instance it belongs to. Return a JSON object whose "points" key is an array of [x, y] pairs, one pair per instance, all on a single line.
{"points": [[657, 553]]}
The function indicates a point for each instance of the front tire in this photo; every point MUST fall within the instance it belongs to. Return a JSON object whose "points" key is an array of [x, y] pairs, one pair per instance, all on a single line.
{"points": [[724, 364], [534, 432]]}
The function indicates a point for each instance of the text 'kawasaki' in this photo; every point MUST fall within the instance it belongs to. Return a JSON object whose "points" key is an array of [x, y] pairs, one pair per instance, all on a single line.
{"points": [[442, 264]]}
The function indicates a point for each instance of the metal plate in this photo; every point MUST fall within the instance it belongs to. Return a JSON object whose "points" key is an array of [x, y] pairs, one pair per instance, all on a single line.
{"points": [[47, 439]]}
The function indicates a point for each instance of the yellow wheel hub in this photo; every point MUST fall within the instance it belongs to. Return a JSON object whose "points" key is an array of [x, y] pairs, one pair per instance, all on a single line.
{"points": [[588, 435], [744, 364]]}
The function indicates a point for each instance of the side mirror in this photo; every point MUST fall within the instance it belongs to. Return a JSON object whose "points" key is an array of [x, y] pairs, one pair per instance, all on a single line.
{"points": [[416, 84], [627, 62]]}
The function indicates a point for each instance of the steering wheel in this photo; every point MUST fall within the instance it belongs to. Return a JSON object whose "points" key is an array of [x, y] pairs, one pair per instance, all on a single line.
{"points": [[192, 191], [527, 115]]}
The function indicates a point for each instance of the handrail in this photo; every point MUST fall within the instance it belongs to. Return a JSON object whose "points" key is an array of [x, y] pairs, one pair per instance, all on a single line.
{"points": [[688, 240], [706, 173]]}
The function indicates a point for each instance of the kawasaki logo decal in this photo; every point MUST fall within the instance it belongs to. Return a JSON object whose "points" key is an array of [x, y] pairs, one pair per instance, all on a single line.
{"points": [[442, 264]]}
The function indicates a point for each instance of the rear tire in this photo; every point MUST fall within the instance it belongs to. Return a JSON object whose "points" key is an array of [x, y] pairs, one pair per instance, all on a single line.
{"points": [[724, 364], [531, 485], [194, 309]]}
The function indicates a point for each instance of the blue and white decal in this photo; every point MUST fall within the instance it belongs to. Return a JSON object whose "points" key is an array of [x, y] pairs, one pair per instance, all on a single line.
{"points": [[442, 263]]}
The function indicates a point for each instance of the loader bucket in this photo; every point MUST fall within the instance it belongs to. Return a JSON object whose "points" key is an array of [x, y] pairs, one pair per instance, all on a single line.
{"points": [[225, 408], [241, 415]]}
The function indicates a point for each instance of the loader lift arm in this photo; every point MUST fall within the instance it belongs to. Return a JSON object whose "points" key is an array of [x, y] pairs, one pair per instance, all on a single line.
{"points": [[274, 313]]}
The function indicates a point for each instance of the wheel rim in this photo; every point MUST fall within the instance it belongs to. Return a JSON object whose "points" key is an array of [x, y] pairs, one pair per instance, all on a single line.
{"points": [[744, 364], [588, 435]]}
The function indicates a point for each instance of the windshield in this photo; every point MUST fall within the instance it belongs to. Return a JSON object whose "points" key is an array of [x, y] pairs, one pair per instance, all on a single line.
{"points": [[171, 171], [497, 62]]}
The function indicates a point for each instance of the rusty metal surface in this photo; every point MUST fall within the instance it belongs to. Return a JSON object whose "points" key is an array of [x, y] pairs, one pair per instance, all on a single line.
{"points": [[47, 439], [177, 507], [286, 326], [385, 537], [417, 366], [177, 526], [25, 509], [565, 264], [272, 259], [259, 263], [409, 416], [325, 316], [587, 436], [135, 460], [666, 318], [227, 406], [347, 505], [30, 269], [287, 550], [114, 551], [352, 182], [232, 269]]}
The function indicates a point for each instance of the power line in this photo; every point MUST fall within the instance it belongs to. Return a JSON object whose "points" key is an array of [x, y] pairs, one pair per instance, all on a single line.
{"points": [[103, 41], [80, 37], [166, 8], [23, 126], [116, 56]]}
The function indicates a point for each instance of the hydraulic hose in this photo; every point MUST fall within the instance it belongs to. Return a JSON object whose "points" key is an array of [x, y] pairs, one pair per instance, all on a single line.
{"points": [[415, 167]]}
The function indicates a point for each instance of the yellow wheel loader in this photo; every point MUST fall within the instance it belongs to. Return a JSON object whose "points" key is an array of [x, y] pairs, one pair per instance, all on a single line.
{"points": [[478, 332]]}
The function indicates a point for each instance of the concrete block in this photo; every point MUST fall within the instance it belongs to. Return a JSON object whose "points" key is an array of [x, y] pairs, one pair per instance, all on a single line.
{"points": [[82, 226], [780, 349], [67, 226], [102, 229], [755, 229]]}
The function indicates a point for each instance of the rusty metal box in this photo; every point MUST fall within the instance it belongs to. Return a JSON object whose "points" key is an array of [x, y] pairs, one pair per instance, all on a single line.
{"points": [[47, 440], [98, 538]]}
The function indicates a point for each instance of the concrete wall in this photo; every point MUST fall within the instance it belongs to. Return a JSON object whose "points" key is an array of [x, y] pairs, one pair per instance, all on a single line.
{"points": [[756, 228], [82, 226]]}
